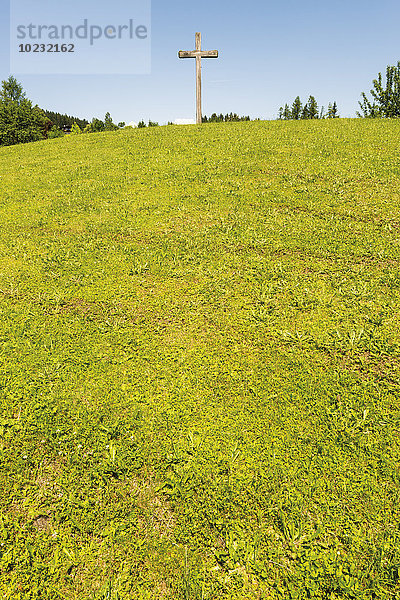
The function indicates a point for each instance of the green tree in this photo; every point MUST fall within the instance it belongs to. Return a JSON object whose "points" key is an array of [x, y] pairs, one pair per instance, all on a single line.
{"points": [[141, 124], [97, 125], [385, 101], [55, 132], [121, 125], [20, 122], [312, 108], [108, 123], [296, 108], [75, 129], [287, 114], [305, 114], [332, 111], [11, 91]]}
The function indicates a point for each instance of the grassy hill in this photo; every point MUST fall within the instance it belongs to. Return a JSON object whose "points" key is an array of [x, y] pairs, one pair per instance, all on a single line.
{"points": [[200, 363]]}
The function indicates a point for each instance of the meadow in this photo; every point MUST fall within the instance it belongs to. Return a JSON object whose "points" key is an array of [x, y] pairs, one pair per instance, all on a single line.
{"points": [[199, 383]]}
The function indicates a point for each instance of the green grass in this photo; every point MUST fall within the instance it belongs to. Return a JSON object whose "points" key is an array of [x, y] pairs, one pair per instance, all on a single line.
{"points": [[200, 363]]}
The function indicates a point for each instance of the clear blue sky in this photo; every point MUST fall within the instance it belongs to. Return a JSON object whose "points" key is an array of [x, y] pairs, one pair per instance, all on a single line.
{"points": [[269, 53]]}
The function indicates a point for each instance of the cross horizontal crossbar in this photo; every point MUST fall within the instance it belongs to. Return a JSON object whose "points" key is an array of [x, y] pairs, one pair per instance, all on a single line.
{"points": [[200, 53]]}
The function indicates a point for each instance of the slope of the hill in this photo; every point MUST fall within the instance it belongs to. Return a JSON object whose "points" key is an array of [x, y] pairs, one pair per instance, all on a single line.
{"points": [[199, 383]]}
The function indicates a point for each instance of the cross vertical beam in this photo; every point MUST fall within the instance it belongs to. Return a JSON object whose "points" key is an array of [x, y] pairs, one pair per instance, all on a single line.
{"points": [[198, 79], [198, 54]]}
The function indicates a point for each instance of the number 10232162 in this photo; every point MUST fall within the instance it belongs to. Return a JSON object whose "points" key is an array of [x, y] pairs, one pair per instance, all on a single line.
{"points": [[46, 48]]}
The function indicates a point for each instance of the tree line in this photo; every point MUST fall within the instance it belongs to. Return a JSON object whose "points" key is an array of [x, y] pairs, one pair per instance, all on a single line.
{"points": [[309, 110], [73, 126], [384, 102], [95, 126], [64, 121], [21, 121], [228, 118]]}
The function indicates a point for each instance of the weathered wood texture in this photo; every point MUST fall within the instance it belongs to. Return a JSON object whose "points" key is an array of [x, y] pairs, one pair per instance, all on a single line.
{"points": [[203, 54], [198, 79], [198, 54]]}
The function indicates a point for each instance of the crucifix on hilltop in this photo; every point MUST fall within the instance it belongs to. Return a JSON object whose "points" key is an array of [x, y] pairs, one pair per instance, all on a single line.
{"points": [[198, 54]]}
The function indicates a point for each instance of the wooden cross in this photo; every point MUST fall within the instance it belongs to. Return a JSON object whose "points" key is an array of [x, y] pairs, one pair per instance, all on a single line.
{"points": [[198, 54]]}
